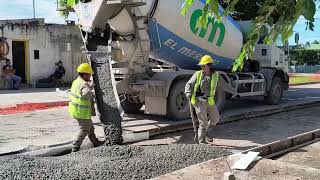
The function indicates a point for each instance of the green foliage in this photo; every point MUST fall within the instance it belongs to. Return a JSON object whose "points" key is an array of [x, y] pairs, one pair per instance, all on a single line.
{"points": [[305, 56], [62, 4], [316, 42], [280, 15], [65, 6], [245, 9]]}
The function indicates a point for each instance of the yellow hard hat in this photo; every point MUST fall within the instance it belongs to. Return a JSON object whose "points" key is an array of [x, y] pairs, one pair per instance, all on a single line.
{"points": [[206, 59], [85, 68]]}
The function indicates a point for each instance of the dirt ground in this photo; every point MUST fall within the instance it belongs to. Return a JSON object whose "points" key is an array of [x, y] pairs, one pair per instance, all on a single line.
{"points": [[307, 156], [264, 169]]}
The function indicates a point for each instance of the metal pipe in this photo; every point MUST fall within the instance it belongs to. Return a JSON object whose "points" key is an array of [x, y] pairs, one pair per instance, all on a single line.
{"points": [[34, 10]]}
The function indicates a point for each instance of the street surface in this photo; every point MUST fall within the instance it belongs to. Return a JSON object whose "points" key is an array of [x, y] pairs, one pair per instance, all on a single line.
{"points": [[31, 95], [246, 134], [45, 128]]}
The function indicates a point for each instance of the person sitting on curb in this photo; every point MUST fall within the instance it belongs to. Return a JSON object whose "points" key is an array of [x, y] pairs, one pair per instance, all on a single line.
{"points": [[9, 74], [59, 72]]}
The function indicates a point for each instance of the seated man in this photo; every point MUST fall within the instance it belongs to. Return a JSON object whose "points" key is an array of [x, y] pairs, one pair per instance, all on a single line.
{"points": [[9, 74], [59, 72], [55, 79]]}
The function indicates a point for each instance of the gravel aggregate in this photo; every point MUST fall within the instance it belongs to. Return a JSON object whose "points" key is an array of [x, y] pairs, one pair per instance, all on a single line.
{"points": [[110, 162]]}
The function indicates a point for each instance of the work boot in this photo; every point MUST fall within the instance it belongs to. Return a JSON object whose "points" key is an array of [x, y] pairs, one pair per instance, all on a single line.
{"points": [[209, 131], [98, 143], [202, 141], [75, 149], [209, 140], [195, 138]]}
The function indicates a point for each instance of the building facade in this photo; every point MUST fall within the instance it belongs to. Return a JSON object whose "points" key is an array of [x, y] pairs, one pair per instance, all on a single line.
{"points": [[35, 47]]}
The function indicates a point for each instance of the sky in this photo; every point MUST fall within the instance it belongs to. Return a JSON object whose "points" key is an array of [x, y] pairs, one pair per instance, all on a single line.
{"points": [[18, 9]]}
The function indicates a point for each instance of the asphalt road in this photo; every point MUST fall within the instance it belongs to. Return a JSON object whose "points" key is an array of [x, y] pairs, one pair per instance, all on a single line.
{"points": [[251, 133]]}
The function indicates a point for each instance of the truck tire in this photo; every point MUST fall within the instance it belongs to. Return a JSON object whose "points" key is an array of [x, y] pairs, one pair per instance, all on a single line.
{"points": [[220, 99], [131, 108], [178, 105], [275, 92]]}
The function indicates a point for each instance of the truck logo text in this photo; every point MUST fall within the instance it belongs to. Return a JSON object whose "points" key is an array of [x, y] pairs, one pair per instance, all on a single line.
{"points": [[214, 24]]}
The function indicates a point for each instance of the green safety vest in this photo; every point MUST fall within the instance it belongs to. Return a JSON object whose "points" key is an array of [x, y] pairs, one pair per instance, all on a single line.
{"points": [[214, 83], [79, 107]]}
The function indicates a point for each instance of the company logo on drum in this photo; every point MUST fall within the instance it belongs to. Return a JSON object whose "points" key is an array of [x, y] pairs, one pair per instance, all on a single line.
{"points": [[213, 23]]}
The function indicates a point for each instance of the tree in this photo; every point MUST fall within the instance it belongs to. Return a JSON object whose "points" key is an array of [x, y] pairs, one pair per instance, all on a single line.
{"points": [[65, 6], [308, 44], [281, 15], [305, 56], [316, 42], [244, 9]]}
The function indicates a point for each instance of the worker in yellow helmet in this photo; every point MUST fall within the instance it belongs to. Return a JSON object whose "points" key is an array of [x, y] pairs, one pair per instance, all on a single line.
{"points": [[201, 90], [81, 106]]}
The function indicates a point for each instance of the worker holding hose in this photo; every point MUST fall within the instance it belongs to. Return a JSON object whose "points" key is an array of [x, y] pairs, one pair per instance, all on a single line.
{"points": [[201, 90], [81, 106]]}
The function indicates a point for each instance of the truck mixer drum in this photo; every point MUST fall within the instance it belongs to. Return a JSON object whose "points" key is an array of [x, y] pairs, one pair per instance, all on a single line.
{"points": [[144, 30]]}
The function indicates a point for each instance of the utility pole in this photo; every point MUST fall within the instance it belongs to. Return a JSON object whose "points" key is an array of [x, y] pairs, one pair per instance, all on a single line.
{"points": [[34, 10]]}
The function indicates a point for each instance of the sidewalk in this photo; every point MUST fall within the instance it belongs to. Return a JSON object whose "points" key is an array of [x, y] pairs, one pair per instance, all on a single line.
{"points": [[30, 99], [30, 95]]}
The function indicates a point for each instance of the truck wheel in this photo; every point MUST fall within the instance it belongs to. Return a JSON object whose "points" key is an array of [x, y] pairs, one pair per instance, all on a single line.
{"points": [[275, 92], [178, 105], [220, 99], [130, 107]]}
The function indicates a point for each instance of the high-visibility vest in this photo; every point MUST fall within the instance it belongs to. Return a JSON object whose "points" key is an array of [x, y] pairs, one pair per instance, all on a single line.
{"points": [[213, 87], [79, 107]]}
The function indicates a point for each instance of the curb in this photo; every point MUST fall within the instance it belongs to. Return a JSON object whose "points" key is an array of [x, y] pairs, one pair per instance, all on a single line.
{"points": [[66, 148], [283, 146], [22, 150], [300, 84], [27, 107]]}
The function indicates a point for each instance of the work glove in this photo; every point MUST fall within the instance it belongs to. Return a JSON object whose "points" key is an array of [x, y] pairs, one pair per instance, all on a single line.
{"points": [[235, 96], [91, 84], [188, 96]]}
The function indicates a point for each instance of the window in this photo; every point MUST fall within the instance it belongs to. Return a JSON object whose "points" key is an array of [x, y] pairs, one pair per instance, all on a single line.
{"points": [[36, 54]]}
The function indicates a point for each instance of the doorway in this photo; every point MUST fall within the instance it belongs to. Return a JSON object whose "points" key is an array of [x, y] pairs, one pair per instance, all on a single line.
{"points": [[18, 59]]}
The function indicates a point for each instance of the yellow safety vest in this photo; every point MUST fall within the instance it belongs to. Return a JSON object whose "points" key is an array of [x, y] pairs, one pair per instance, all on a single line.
{"points": [[213, 85], [79, 107]]}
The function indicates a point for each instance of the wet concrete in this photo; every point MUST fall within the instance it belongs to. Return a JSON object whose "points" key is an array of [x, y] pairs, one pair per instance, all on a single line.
{"points": [[107, 97], [109, 162]]}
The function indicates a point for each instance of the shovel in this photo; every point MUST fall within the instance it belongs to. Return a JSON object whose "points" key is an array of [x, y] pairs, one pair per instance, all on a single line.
{"points": [[194, 123]]}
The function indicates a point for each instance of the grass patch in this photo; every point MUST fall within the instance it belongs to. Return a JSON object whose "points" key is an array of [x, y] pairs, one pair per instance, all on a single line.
{"points": [[297, 79]]}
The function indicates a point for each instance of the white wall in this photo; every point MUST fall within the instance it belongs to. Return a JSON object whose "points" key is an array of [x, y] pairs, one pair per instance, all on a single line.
{"points": [[51, 41]]}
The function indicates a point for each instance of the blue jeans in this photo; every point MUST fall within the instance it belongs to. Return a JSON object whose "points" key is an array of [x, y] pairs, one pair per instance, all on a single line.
{"points": [[16, 80]]}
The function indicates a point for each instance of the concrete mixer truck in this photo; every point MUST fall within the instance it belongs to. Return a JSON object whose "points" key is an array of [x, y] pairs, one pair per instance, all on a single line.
{"points": [[152, 51]]}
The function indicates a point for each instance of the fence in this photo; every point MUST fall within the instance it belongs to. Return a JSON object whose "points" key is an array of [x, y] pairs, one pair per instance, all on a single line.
{"points": [[304, 69]]}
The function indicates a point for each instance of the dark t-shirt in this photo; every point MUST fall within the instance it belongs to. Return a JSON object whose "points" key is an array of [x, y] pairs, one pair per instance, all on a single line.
{"points": [[7, 67], [59, 72]]}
